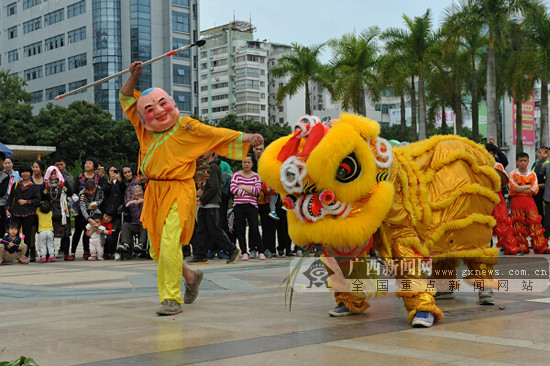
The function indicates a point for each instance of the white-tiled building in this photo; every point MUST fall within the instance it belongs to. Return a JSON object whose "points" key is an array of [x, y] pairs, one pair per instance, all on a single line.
{"points": [[60, 45]]}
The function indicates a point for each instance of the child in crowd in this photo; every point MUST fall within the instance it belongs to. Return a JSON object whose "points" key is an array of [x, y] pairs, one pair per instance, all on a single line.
{"points": [[525, 217], [110, 234], [273, 197], [94, 233], [12, 247], [45, 232], [133, 210]]}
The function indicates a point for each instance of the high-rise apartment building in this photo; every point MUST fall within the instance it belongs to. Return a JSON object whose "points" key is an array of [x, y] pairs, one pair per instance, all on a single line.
{"points": [[233, 73], [59, 46]]}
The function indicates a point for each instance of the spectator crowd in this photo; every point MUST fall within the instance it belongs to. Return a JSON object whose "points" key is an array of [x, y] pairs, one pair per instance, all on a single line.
{"points": [[100, 209]]}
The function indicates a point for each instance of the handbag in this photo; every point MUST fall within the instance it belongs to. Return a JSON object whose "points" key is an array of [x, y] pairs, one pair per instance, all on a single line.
{"points": [[72, 205]]}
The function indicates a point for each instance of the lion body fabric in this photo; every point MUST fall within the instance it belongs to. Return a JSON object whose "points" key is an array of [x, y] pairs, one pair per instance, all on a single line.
{"points": [[429, 199]]}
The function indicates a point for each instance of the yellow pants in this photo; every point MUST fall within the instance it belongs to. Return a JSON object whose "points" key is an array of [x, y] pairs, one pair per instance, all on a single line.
{"points": [[170, 260]]}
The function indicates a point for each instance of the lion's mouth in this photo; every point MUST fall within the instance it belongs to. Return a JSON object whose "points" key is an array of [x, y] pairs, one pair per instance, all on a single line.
{"points": [[314, 207]]}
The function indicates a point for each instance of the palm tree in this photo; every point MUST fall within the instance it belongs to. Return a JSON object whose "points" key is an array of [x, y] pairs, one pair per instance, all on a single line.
{"points": [[353, 69], [496, 14], [415, 42], [394, 71], [462, 24], [445, 79], [518, 74], [302, 66], [537, 27]]}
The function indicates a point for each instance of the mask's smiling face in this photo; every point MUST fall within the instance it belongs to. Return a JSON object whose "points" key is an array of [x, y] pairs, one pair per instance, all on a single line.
{"points": [[157, 110]]}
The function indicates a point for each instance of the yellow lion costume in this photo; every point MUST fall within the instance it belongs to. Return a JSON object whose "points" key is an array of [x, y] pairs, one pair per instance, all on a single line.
{"points": [[347, 189]]}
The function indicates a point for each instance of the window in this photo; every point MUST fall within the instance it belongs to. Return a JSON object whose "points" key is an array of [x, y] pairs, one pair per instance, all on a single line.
{"points": [[13, 56], [54, 42], [34, 73], [51, 93], [54, 17], [12, 32], [178, 43], [76, 9], [12, 9], [32, 49], [77, 61], [30, 3], [180, 21], [182, 74], [281, 109], [183, 100], [181, 2], [77, 35], [77, 84], [32, 25], [54, 68], [37, 96]]}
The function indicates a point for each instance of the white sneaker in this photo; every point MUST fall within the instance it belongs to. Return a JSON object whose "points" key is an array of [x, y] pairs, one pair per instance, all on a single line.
{"points": [[117, 256]]}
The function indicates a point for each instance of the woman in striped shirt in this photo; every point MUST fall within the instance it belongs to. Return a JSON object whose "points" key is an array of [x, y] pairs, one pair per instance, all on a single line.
{"points": [[246, 185]]}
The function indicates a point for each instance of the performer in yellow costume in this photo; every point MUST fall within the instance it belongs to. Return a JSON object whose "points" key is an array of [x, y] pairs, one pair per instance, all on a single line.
{"points": [[348, 189], [169, 146]]}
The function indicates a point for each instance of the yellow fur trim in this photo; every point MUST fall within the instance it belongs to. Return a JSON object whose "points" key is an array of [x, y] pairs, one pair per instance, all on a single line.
{"points": [[459, 224], [269, 167], [366, 127], [354, 303], [340, 141], [488, 254], [356, 229], [474, 189]]}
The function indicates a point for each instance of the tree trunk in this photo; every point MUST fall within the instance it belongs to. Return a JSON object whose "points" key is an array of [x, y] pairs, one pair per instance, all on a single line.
{"points": [[475, 102], [491, 96], [403, 118], [308, 102], [443, 120], [361, 107], [413, 111], [519, 126], [458, 114], [422, 135], [544, 137]]}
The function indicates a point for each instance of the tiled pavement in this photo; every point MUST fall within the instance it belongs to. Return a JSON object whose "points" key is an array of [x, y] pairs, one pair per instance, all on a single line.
{"points": [[103, 313]]}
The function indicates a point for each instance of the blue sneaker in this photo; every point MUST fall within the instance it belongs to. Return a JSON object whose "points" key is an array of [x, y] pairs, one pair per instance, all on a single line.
{"points": [[210, 255], [423, 319], [267, 253], [222, 255], [340, 310], [253, 254]]}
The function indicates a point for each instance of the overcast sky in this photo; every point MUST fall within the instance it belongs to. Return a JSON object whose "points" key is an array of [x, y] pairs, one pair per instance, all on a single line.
{"points": [[309, 22]]}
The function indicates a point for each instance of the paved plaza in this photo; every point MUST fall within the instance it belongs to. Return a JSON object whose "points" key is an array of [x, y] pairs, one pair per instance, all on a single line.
{"points": [[103, 313]]}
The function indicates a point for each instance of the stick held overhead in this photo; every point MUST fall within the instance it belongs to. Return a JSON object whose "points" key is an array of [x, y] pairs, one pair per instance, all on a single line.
{"points": [[199, 43]]}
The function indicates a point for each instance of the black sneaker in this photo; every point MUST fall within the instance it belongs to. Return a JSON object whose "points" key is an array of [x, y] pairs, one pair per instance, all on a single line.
{"points": [[234, 256], [122, 248], [197, 260], [138, 248]]}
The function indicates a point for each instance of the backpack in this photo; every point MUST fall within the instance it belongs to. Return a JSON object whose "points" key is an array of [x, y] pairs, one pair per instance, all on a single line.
{"points": [[226, 184]]}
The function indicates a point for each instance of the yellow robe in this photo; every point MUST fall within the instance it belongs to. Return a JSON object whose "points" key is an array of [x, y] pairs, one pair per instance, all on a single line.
{"points": [[168, 159]]}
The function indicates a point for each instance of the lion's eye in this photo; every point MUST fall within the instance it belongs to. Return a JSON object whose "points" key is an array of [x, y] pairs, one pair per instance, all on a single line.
{"points": [[348, 169]]}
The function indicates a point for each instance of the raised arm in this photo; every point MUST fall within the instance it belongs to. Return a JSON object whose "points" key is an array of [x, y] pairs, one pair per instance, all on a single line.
{"points": [[135, 71]]}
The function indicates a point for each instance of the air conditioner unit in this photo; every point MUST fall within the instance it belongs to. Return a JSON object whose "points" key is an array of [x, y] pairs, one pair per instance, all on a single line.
{"points": [[217, 79]]}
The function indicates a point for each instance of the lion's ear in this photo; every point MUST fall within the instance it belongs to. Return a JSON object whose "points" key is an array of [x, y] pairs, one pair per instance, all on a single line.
{"points": [[366, 127]]}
